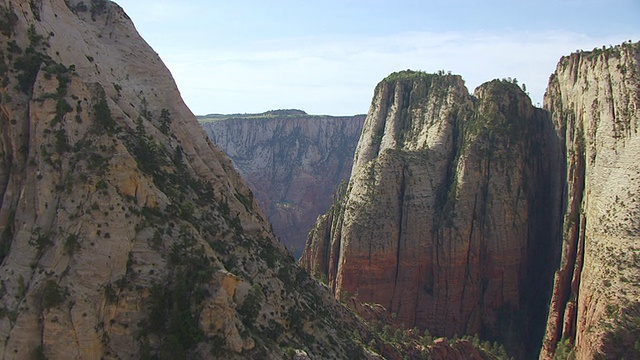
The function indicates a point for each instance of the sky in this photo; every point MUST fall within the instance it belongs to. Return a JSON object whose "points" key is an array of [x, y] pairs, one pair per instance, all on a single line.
{"points": [[326, 57]]}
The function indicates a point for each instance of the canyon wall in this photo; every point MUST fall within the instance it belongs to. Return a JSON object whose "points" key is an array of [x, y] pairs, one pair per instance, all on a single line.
{"points": [[450, 217], [460, 208], [594, 101], [292, 162], [124, 232]]}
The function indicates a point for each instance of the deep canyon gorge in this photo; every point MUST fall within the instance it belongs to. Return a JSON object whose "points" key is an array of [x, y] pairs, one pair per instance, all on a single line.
{"points": [[127, 233]]}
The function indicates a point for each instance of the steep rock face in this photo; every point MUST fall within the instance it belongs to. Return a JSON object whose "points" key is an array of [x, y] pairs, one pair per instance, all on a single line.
{"points": [[292, 163], [124, 233], [448, 210], [594, 100]]}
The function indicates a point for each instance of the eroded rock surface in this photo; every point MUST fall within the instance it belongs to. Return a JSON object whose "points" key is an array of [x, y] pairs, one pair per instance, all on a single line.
{"points": [[292, 162], [448, 215], [594, 101], [124, 232]]}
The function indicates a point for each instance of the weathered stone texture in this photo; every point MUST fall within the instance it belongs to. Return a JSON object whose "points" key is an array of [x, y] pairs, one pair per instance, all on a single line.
{"points": [[292, 163], [124, 232], [594, 101], [445, 209]]}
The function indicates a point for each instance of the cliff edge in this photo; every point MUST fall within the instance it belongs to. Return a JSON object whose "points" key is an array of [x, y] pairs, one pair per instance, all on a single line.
{"points": [[448, 210], [594, 101]]}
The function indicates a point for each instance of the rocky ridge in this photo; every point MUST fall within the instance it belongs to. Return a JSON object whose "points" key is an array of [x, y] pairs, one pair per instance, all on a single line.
{"points": [[498, 195], [446, 209], [291, 161], [124, 232]]}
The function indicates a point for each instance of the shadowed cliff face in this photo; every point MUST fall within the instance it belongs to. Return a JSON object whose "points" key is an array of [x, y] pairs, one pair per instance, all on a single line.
{"points": [[594, 101], [124, 233], [292, 164], [448, 218]]}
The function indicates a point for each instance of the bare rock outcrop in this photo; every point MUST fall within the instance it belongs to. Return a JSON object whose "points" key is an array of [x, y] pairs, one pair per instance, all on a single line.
{"points": [[448, 214], [292, 162], [594, 101], [124, 232]]}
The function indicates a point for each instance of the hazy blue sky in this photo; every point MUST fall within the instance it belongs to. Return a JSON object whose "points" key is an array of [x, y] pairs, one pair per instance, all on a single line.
{"points": [[325, 57]]}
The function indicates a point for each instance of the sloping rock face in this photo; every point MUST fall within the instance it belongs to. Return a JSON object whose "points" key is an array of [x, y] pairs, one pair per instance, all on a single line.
{"points": [[124, 233], [292, 163], [448, 218], [594, 100]]}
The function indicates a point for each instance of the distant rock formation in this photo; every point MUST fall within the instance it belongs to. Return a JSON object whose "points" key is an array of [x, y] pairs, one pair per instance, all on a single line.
{"points": [[448, 219], [292, 162], [594, 101]]}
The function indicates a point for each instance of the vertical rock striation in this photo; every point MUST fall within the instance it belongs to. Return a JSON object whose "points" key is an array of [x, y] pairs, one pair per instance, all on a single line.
{"points": [[448, 211], [292, 162], [594, 101]]}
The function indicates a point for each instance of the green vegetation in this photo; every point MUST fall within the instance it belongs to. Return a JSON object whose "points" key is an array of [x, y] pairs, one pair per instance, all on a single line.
{"points": [[41, 240], [413, 75], [102, 115], [35, 9], [6, 237], [71, 244], [606, 51], [28, 64], [193, 200], [97, 8], [80, 7], [175, 307], [96, 162], [246, 200], [4, 70], [118, 88], [623, 339], [273, 114], [149, 154], [22, 288], [165, 121], [408, 75], [61, 141], [251, 306], [52, 295], [62, 108], [8, 20], [498, 121], [564, 350], [38, 353], [411, 341]]}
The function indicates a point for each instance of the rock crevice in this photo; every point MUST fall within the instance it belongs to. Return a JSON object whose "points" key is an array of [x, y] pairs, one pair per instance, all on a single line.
{"points": [[441, 214], [593, 101]]}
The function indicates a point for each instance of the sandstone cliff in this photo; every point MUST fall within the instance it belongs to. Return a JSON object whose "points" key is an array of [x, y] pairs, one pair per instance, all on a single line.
{"points": [[594, 101], [292, 162], [124, 233], [448, 219]]}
